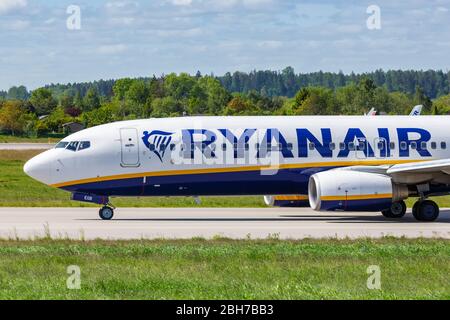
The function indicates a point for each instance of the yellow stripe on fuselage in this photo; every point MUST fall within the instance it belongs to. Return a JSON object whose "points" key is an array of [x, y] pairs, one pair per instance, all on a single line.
{"points": [[291, 198], [357, 197], [233, 169]]}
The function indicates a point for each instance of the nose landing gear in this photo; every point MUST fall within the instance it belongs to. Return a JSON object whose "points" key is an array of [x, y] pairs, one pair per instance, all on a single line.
{"points": [[106, 213]]}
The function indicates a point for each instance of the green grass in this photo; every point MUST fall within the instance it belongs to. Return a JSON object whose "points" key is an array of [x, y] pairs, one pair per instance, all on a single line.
{"points": [[226, 269], [15, 139], [19, 190]]}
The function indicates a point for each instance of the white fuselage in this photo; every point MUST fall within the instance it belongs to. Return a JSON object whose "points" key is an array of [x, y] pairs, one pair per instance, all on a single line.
{"points": [[233, 155]]}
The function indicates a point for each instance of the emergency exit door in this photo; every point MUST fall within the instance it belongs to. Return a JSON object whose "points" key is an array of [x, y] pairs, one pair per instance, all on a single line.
{"points": [[130, 147]]}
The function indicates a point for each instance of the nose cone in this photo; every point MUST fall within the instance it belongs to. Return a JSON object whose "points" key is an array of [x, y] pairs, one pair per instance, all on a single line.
{"points": [[39, 168]]}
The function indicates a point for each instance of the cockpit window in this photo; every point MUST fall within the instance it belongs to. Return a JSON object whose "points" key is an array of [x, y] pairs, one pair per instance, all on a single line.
{"points": [[84, 145], [73, 146], [61, 145]]}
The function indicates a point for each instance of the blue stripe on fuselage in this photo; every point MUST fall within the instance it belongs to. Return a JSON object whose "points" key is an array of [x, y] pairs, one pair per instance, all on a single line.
{"points": [[285, 181]]}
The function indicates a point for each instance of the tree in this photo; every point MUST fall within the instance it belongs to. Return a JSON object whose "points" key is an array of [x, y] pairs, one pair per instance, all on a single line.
{"points": [[105, 114], [442, 105], [11, 117], [240, 106], [315, 101], [421, 98], [18, 93], [138, 99], [166, 107], [43, 101], [217, 97], [91, 100], [121, 87], [56, 119]]}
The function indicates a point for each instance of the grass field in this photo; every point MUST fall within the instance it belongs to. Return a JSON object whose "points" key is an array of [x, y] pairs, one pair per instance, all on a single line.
{"points": [[226, 269], [14, 139], [19, 190]]}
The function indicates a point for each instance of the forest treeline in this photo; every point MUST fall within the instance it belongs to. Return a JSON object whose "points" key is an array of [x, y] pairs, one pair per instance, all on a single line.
{"points": [[45, 110]]}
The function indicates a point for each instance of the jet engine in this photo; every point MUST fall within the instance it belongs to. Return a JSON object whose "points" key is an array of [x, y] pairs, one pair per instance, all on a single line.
{"points": [[299, 201], [348, 190]]}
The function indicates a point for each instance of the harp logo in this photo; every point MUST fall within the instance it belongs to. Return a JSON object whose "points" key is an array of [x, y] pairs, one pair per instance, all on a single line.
{"points": [[157, 142]]}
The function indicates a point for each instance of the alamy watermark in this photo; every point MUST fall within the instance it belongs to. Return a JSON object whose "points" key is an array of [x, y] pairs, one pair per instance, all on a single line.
{"points": [[74, 280], [374, 20], [374, 279], [73, 22]]}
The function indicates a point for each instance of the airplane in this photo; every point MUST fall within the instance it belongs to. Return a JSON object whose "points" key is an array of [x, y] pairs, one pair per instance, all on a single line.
{"points": [[302, 201], [416, 111], [342, 163]]}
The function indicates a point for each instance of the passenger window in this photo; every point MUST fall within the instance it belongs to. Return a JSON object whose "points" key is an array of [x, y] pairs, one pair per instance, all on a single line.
{"points": [[84, 145], [290, 146], [403, 145], [172, 147], [423, 145], [152, 147], [443, 145], [341, 146], [247, 147], [413, 145], [351, 146], [224, 146], [332, 146], [380, 145], [73, 146], [392, 145], [61, 145], [311, 146], [434, 145]]}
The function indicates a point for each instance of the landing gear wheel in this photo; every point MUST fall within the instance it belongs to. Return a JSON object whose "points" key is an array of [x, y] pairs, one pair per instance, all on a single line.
{"points": [[426, 210], [396, 211], [106, 213]]}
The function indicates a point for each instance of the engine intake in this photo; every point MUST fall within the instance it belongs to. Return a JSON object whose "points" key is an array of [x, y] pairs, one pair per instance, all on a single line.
{"points": [[348, 190]]}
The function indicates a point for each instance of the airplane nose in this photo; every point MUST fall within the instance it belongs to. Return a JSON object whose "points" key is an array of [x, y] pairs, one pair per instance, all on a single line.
{"points": [[38, 168]]}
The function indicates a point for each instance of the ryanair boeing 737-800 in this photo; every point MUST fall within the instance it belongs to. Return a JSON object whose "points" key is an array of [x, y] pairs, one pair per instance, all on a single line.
{"points": [[346, 163]]}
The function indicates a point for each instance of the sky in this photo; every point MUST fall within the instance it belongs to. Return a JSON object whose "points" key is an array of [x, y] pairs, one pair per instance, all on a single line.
{"points": [[133, 38]]}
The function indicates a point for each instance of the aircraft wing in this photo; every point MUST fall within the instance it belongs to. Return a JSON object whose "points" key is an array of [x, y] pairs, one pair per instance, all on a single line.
{"points": [[411, 173], [434, 166]]}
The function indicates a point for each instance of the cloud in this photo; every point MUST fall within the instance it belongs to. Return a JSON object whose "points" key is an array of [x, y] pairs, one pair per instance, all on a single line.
{"points": [[7, 6], [138, 38], [18, 25], [112, 49], [181, 2]]}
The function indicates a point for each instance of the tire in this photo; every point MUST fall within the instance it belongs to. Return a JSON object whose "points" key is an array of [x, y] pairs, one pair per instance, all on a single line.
{"points": [[396, 211], [414, 208], [426, 211], [106, 213]]}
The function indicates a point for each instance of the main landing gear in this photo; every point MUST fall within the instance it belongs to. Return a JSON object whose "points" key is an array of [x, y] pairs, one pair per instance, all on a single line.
{"points": [[423, 210], [106, 213], [396, 211]]}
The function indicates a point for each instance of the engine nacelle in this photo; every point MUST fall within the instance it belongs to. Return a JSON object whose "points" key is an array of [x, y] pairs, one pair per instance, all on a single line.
{"points": [[348, 190], [299, 201]]}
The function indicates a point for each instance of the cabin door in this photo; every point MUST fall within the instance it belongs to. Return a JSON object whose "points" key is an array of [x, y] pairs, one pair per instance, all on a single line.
{"points": [[129, 147]]}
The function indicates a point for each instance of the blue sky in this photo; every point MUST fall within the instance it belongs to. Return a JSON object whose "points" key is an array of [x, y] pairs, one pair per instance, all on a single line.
{"points": [[121, 38]]}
